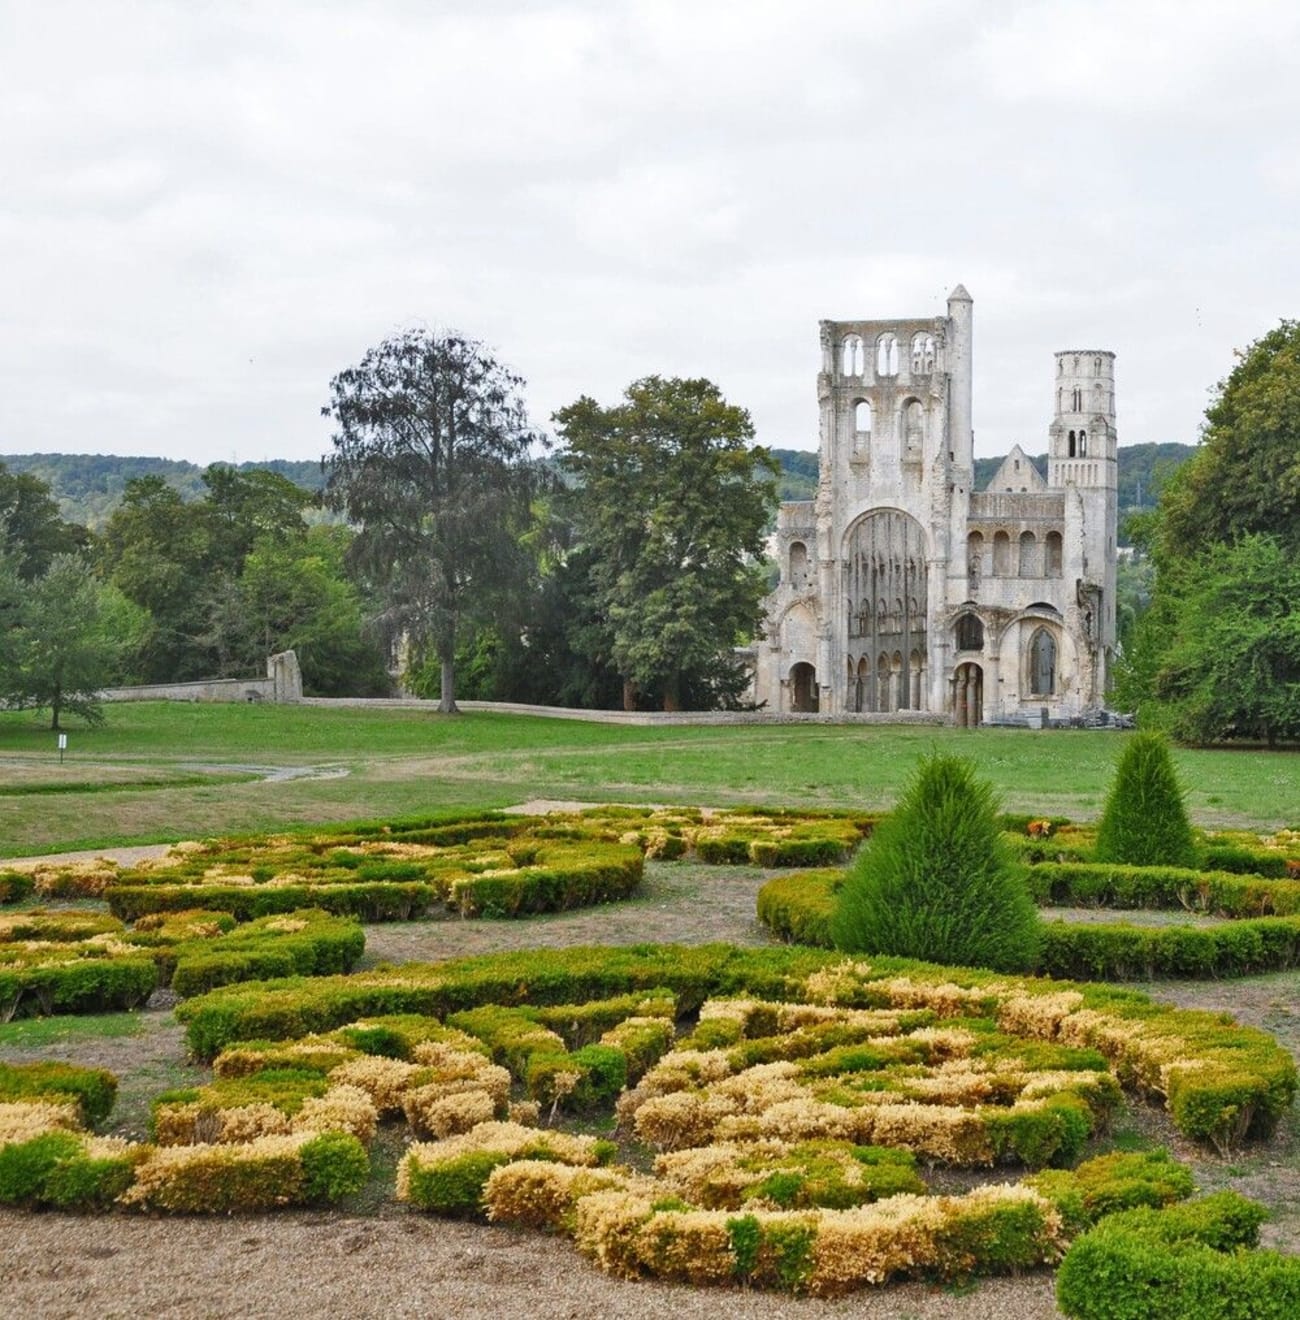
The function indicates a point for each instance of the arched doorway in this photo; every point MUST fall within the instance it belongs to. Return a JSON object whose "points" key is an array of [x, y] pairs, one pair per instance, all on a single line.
{"points": [[968, 696], [885, 576], [803, 688]]}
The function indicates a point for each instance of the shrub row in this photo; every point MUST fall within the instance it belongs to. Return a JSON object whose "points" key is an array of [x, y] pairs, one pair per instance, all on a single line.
{"points": [[1126, 953], [1188, 1260], [1109, 884], [46, 1160], [798, 908], [1222, 1083], [83, 962], [92, 1090], [992, 1230]]}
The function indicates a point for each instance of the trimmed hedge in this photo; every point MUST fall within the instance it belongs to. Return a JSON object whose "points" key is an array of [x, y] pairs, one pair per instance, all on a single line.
{"points": [[1243, 1084], [365, 902], [797, 908], [1133, 953], [1109, 884], [81, 985], [84, 962], [1192, 1260], [93, 1090]]}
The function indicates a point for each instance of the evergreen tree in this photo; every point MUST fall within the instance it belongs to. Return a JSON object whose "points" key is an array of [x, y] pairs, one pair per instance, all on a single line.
{"points": [[1144, 822], [936, 881]]}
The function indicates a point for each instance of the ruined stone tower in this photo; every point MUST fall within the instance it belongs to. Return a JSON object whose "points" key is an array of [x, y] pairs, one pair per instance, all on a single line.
{"points": [[902, 588]]}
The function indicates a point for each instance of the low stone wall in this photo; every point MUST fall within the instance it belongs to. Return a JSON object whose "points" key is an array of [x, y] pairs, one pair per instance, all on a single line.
{"points": [[282, 684], [643, 717], [208, 689]]}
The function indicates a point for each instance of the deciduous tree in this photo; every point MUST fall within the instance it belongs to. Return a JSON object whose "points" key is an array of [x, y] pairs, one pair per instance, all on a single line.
{"points": [[72, 631], [432, 463], [670, 501]]}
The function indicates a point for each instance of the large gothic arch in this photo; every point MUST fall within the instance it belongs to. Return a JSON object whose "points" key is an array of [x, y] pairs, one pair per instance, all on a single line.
{"points": [[885, 593]]}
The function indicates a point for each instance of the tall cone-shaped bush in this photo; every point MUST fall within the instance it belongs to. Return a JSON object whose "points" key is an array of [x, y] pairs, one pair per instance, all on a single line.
{"points": [[1144, 822], [935, 880]]}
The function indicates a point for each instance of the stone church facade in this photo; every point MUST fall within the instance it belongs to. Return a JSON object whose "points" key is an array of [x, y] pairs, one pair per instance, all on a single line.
{"points": [[902, 588]]}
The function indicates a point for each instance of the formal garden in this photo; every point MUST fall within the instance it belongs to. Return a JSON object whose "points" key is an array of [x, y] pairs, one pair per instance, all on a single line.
{"points": [[933, 1047]]}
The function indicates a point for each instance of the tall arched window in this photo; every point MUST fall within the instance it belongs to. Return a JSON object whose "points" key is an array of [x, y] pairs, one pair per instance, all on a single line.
{"points": [[1042, 664], [970, 633], [887, 356], [1001, 555], [1028, 555], [851, 360], [798, 564], [975, 554], [1053, 554], [862, 417], [913, 426], [1072, 444], [922, 354]]}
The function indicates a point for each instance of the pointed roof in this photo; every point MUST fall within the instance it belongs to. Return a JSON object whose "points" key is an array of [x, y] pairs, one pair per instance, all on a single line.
{"points": [[959, 294], [1017, 474]]}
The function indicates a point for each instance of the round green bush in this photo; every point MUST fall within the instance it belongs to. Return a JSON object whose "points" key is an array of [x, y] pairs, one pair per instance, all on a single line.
{"points": [[1144, 822], [936, 881]]}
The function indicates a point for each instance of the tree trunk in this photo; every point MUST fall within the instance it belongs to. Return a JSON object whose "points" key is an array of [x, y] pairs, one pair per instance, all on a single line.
{"points": [[629, 694], [55, 705], [671, 699], [447, 706]]}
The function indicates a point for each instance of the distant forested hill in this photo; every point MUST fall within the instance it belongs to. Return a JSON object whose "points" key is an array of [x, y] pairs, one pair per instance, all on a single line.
{"points": [[89, 487]]}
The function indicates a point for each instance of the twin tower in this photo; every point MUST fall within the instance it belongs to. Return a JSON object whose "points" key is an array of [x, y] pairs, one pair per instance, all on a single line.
{"points": [[904, 589]]}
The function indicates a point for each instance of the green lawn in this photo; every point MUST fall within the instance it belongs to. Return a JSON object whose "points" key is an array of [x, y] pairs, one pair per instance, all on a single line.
{"points": [[135, 778]]}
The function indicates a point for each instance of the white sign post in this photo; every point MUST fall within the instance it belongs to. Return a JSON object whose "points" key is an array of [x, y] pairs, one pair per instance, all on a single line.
{"points": [[63, 746]]}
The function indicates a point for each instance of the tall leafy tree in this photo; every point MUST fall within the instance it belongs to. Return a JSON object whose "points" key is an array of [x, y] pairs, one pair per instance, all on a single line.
{"points": [[294, 595], [155, 548], [1217, 655], [1245, 476], [432, 464], [670, 500], [31, 529], [73, 629]]}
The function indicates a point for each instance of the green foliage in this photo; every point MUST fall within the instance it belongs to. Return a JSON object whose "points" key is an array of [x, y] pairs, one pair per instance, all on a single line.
{"points": [[935, 881], [1230, 667], [1111, 1183], [25, 1165], [674, 589], [1244, 1084], [1218, 655], [1245, 476], [93, 1089], [32, 532], [1144, 821], [72, 631], [454, 1187], [334, 1165], [431, 462], [800, 907], [1194, 1259]]}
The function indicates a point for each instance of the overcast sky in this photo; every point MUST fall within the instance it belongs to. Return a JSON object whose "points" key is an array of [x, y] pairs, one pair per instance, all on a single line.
{"points": [[209, 208]]}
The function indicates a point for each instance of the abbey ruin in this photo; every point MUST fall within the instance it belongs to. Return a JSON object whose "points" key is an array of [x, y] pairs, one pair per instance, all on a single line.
{"points": [[901, 587]]}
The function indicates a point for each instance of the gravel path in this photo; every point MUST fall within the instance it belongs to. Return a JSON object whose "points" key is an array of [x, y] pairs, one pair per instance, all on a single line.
{"points": [[310, 1265]]}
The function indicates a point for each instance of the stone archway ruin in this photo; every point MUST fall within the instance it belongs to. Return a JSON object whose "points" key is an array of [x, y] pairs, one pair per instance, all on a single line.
{"points": [[885, 570]]}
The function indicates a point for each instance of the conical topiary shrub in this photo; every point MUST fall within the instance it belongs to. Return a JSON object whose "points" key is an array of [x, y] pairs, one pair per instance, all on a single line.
{"points": [[1144, 822], [935, 880]]}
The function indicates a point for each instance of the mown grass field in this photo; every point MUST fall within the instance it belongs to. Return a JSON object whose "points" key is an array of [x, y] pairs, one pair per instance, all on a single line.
{"points": [[162, 771]]}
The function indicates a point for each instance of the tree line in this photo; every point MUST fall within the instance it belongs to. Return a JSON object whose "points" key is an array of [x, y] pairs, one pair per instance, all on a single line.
{"points": [[623, 569], [445, 540]]}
